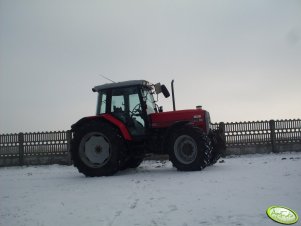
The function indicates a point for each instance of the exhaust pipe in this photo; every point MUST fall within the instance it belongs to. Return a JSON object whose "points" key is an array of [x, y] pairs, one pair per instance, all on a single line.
{"points": [[173, 95]]}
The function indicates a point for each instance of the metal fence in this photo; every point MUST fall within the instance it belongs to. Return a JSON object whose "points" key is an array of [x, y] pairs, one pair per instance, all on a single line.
{"points": [[35, 148], [262, 136], [241, 138]]}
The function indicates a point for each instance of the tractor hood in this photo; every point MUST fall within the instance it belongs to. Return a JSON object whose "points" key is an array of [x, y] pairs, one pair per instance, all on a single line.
{"points": [[199, 117]]}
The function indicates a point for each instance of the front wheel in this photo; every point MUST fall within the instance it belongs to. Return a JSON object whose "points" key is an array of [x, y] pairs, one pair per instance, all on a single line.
{"points": [[189, 149]]}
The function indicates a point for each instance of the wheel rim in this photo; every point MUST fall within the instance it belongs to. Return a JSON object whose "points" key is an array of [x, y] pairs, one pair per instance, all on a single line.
{"points": [[185, 149], [94, 149]]}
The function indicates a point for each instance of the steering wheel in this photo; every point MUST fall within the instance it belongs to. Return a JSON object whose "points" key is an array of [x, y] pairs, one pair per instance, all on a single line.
{"points": [[136, 111]]}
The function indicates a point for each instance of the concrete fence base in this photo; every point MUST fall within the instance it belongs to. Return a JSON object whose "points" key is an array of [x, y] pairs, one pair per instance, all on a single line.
{"points": [[36, 160], [263, 149]]}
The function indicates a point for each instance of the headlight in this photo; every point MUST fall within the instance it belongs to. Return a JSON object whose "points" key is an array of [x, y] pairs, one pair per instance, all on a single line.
{"points": [[197, 118]]}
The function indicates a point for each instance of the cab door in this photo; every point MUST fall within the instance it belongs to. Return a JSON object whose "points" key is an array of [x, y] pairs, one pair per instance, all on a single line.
{"points": [[126, 106]]}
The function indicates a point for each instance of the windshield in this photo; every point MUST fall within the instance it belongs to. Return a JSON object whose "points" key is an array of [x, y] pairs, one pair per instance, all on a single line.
{"points": [[149, 100]]}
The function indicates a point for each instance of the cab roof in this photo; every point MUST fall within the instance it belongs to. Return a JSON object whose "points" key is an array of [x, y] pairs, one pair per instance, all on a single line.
{"points": [[121, 84]]}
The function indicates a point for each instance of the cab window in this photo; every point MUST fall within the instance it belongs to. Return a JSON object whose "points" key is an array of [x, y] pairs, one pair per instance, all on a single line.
{"points": [[101, 103]]}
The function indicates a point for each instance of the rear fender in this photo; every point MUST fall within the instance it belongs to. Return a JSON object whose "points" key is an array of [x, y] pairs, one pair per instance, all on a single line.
{"points": [[104, 118]]}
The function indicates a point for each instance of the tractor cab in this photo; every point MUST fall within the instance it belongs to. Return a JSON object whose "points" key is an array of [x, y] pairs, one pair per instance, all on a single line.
{"points": [[130, 102]]}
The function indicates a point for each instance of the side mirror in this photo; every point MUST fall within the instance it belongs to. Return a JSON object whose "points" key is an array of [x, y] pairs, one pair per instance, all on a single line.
{"points": [[158, 88], [165, 91]]}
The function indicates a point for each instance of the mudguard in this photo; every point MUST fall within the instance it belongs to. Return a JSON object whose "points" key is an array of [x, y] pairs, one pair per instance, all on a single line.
{"points": [[104, 118]]}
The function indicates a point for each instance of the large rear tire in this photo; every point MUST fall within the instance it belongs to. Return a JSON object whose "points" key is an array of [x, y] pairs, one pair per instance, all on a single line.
{"points": [[189, 149], [96, 148]]}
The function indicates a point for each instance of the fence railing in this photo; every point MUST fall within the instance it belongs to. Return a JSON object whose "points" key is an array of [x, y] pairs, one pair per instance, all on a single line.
{"points": [[273, 134], [52, 147], [262, 132], [35, 148]]}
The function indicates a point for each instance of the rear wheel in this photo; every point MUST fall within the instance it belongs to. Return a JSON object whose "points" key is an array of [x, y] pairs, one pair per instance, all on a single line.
{"points": [[95, 149], [189, 149]]}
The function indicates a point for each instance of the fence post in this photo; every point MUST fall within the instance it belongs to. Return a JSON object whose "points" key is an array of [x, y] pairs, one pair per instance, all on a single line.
{"points": [[69, 138], [222, 132], [68, 135], [21, 148], [273, 135]]}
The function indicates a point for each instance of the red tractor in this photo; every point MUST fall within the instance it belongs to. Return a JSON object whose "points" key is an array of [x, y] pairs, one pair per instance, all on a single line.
{"points": [[129, 125]]}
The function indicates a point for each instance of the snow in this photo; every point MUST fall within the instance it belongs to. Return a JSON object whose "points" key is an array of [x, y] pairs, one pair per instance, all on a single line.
{"points": [[234, 192]]}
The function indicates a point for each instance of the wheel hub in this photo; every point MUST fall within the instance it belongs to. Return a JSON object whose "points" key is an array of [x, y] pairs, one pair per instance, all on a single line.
{"points": [[95, 150], [98, 149], [185, 149]]}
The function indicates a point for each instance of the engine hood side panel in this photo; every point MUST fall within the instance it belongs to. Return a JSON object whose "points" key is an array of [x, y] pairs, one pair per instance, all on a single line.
{"points": [[166, 119]]}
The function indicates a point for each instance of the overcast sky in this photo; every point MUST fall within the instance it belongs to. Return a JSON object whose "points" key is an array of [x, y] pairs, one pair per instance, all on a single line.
{"points": [[240, 60]]}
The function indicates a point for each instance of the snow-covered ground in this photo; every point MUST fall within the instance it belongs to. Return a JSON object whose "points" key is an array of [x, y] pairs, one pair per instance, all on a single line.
{"points": [[234, 192]]}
